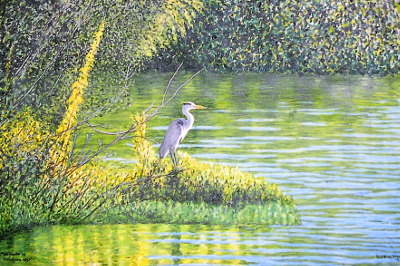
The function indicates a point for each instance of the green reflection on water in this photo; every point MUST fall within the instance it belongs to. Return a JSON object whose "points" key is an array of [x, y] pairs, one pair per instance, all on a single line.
{"points": [[140, 244]]}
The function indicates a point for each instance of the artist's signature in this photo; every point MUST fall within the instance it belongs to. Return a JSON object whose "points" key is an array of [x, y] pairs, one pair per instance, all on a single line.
{"points": [[14, 256], [388, 257]]}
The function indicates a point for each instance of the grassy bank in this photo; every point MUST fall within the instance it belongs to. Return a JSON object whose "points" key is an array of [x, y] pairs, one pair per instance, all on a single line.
{"points": [[172, 212], [198, 193]]}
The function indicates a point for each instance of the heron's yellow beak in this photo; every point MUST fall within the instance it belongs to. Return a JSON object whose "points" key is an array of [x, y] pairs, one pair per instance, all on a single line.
{"points": [[200, 107]]}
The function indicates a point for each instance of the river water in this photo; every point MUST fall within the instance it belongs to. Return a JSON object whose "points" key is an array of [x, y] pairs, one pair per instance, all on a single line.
{"points": [[333, 143]]}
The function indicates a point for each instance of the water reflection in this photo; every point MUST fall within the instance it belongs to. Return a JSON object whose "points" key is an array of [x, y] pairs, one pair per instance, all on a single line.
{"points": [[192, 245], [133, 244], [331, 142]]}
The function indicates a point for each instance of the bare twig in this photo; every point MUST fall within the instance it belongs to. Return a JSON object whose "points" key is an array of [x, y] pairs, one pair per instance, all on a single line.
{"points": [[119, 138], [183, 85], [165, 102], [93, 127], [169, 83]]}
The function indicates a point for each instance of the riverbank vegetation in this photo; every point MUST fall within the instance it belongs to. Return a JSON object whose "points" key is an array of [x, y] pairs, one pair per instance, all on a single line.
{"points": [[49, 50]]}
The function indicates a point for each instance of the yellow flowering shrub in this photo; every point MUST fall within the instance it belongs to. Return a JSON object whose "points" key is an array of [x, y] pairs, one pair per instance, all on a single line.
{"points": [[145, 154], [21, 136], [61, 151]]}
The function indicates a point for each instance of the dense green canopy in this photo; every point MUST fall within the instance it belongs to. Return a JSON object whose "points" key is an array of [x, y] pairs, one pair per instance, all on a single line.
{"points": [[311, 36]]}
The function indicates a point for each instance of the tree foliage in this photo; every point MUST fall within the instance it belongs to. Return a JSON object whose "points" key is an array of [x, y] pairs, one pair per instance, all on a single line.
{"points": [[43, 43], [313, 36]]}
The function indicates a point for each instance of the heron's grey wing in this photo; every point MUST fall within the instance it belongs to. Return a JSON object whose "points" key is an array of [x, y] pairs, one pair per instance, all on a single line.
{"points": [[172, 137]]}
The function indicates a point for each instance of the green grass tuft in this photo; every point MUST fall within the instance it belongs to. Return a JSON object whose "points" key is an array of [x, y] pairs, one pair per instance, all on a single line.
{"points": [[173, 212]]}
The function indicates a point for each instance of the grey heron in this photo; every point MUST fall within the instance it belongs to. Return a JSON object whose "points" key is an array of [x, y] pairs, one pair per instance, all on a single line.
{"points": [[177, 131]]}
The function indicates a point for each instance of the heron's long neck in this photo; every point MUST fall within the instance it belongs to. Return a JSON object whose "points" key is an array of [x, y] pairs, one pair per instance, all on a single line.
{"points": [[189, 116]]}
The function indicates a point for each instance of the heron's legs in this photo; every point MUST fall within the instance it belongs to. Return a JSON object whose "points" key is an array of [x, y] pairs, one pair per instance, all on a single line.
{"points": [[174, 159]]}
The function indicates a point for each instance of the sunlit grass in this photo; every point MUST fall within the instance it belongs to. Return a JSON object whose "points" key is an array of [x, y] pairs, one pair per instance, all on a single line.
{"points": [[188, 212]]}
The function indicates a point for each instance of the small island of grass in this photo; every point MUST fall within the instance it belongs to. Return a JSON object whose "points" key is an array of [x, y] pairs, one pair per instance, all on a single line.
{"points": [[196, 192]]}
